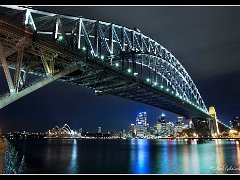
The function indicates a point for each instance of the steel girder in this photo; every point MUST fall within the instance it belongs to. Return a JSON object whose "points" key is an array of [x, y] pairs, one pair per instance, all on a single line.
{"points": [[126, 50]]}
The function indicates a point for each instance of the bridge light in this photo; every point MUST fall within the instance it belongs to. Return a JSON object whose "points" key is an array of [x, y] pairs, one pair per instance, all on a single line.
{"points": [[135, 74], [84, 48], [102, 57], [60, 38], [129, 70], [148, 80]]}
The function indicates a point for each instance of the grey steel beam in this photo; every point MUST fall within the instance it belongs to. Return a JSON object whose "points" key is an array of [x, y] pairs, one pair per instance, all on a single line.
{"points": [[11, 98], [5, 69]]}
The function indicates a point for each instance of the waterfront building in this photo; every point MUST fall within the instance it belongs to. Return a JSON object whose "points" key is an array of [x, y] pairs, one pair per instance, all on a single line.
{"points": [[151, 130], [132, 131], [122, 133], [58, 132], [158, 127], [190, 124], [99, 130], [169, 128], [236, 124], [180, 119], [141, 124], [80, 131], [178, 127], [163, 124]]}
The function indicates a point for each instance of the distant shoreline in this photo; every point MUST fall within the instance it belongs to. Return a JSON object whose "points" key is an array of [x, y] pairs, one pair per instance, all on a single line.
{"points": [[83, 138]]}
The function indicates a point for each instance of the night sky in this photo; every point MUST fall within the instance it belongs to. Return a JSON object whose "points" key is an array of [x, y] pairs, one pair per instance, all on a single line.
{"points": [[206, 40]]}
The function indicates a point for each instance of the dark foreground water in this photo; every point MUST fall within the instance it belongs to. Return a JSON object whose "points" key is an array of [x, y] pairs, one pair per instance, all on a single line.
{"points": [[72, 156]]}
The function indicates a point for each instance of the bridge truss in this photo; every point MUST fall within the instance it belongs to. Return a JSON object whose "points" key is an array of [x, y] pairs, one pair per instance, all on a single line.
{"points": [[106, 57]]}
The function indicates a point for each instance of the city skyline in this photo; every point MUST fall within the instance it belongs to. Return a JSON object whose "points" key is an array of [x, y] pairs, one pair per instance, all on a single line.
{"points": [[102, 129], [60, 102]]}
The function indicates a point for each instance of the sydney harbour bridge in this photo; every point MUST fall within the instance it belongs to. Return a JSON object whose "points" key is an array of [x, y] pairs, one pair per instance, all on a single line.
{"points": [[38, 47]]}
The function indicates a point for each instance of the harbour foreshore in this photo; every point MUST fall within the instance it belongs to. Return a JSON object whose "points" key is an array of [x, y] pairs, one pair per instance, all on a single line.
{"points": [[3, 148]]}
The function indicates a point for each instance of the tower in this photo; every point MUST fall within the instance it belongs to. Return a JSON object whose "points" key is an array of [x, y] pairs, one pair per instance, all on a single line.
{"points": [[180, 119], [213, 122], [99, 130], [158, 127], [236, 124], [141, 124], [163, 123]]}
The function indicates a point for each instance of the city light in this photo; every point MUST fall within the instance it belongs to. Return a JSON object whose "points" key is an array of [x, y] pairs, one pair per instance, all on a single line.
{"points": [[129, 70], [101, 57], [167, 89], [117, 64], [155, 83], [135, 74], [60, 38], [148, 80], [161, 86], [84, 48]]}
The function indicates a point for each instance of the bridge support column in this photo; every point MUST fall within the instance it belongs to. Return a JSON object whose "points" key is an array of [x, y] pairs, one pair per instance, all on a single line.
{"points": [[213, 122]]}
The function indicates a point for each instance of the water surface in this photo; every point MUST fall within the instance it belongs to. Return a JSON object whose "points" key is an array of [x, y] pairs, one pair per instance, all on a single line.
{"points": [[71, 156]]}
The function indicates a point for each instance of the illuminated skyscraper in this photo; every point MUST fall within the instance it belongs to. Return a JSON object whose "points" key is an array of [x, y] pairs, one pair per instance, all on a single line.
{"points": [[169, 128], [99, 130], [158, 127], [190, 124], [179, 124], [180, 119], [163, 123], [141, 124]]}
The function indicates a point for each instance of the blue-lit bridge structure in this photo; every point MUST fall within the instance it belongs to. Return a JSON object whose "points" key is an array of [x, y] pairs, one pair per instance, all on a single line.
{"points": [[108, 58]]}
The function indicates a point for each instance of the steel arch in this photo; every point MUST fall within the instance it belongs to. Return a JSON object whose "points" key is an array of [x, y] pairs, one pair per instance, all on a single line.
{"points": [[122, 48]]}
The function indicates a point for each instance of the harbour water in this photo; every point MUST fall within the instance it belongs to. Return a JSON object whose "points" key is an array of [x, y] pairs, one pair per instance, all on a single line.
{"points": [[136, 156]]}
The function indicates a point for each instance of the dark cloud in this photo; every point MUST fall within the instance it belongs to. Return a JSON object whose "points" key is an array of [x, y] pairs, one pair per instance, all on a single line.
{"points": [[204, 39]]}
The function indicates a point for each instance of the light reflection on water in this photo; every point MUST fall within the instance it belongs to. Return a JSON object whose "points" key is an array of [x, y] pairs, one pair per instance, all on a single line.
{"points": [[73, 169], [136, 156], [140, 156]]}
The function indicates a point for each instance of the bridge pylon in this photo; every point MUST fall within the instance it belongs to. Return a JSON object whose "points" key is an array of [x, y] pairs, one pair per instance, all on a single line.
{"points": [[213, 122]]}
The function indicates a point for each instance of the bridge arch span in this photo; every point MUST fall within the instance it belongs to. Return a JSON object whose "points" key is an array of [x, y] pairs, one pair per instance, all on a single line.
{"points": [[109, 58]]}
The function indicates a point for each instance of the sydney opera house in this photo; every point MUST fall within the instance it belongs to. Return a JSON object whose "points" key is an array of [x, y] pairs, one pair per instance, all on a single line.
{"points": [[58, 132]]}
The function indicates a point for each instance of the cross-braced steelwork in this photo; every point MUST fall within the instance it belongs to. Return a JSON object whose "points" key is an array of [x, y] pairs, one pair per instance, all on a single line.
{"points": [[109, 58]]}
